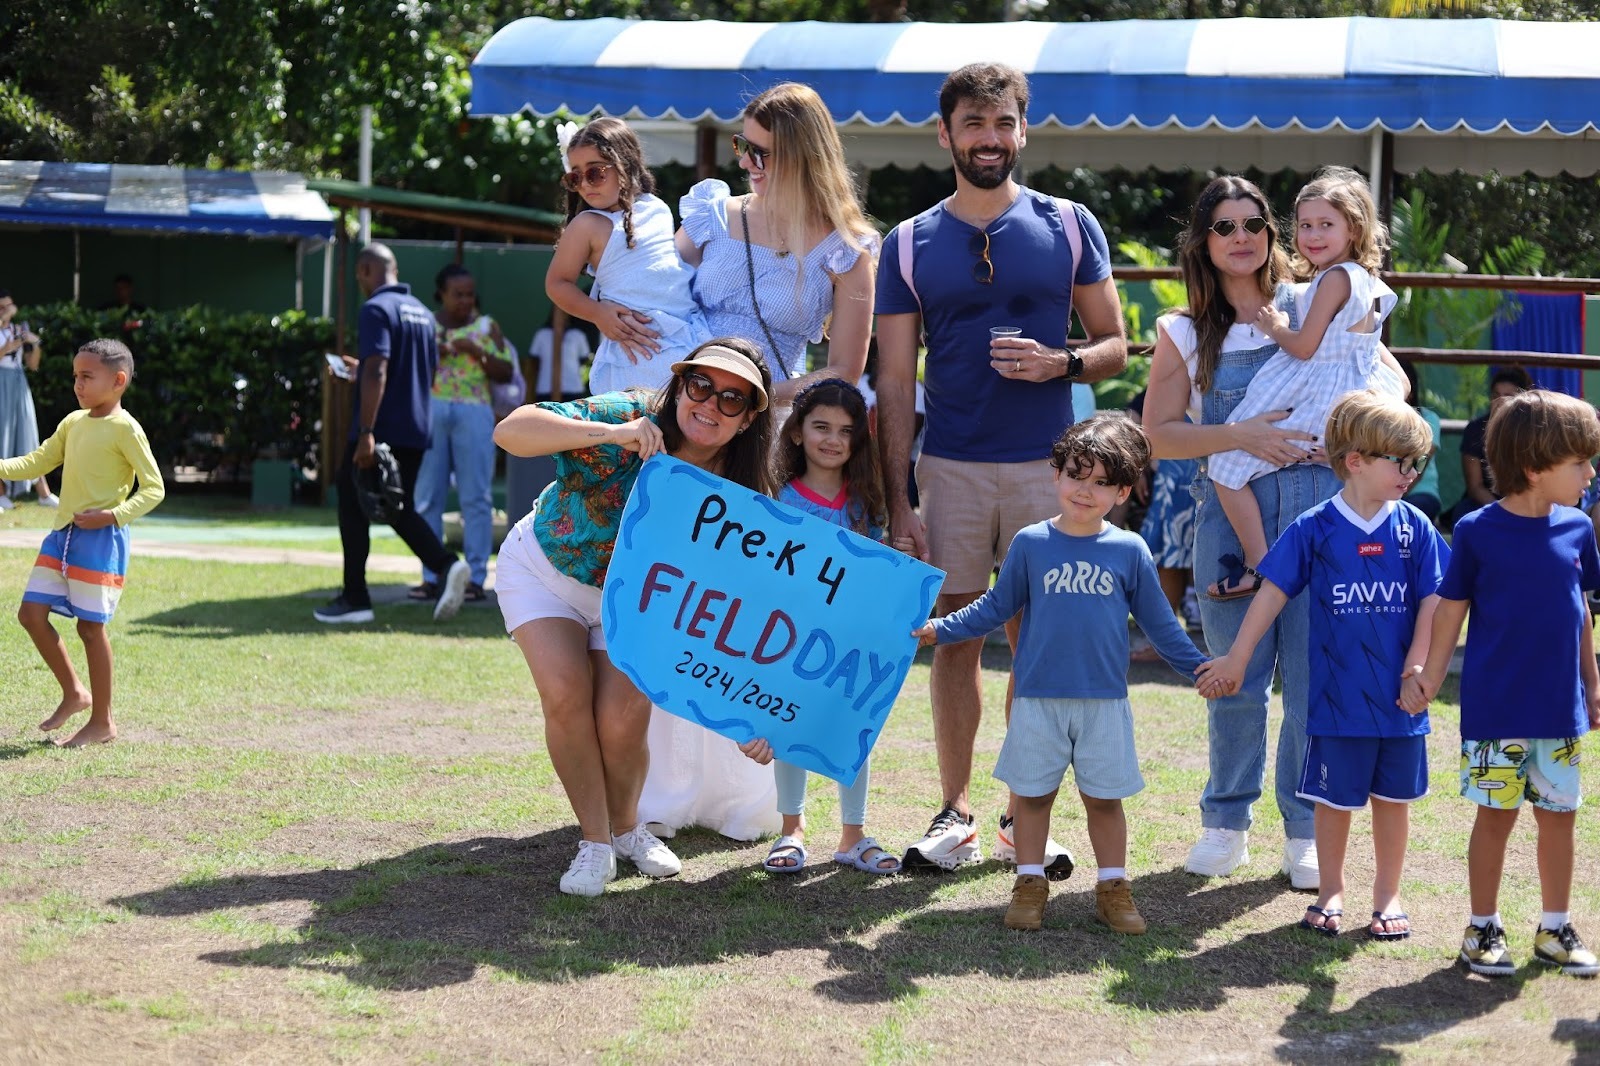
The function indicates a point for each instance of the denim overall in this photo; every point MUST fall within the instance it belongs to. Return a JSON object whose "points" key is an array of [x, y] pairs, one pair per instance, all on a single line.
{"points": [[1237, 724]]}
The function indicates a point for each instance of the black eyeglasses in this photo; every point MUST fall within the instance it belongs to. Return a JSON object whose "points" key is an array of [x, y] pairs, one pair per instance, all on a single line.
{"points": [[700, 388], [593, 174], [758, 156], [983, 269], [1411, 464], [1224, 227]]}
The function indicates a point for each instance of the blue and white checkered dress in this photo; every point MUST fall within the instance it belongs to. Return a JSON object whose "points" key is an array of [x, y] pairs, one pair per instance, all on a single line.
{"points": [[1344, 362]]}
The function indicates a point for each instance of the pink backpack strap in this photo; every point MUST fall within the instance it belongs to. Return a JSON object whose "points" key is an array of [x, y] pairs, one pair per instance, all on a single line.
{"points": [[1073, 229], [902, 238]]}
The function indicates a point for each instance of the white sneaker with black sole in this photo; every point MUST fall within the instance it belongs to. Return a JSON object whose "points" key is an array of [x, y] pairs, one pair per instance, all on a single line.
{"points": [[1058, 864], [452, 591], [952, 839], [342, 612], [641, 847]]}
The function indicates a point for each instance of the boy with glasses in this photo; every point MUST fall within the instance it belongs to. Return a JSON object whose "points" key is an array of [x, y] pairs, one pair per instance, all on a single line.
{"points": [[1371, 564], [994, 254]]}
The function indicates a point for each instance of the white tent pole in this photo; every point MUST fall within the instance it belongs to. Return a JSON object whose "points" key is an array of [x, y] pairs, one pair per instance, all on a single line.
{"points": [[364, 219], [77, 266], [327, 276], [300, 275], [1375, 159]]}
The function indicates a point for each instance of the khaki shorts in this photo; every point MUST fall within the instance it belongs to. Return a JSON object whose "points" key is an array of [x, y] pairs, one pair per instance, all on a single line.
{"points": [[972, 510]]}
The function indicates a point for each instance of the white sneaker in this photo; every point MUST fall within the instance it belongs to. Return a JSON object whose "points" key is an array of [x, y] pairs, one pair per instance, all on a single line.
{"points": [[661, 830], [653, 858], [593, 866], [1218, 852], [1300, 864], [5, 503], [951, 840], [452, 591], [1058, 865], [46, 500]]}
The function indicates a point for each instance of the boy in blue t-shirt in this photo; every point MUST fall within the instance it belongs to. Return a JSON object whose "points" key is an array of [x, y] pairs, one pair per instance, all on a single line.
{"points": [[1371, 564], [1529, 685], [1075, 578]]}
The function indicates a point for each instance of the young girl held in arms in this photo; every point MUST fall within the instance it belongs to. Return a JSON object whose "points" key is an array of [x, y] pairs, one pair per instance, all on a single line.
{"points": [[1339, 245], [620, 232], [828, 467]]}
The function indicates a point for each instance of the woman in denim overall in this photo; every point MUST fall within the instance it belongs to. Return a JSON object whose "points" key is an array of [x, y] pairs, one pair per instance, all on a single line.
{"points": [[1232, 265]]}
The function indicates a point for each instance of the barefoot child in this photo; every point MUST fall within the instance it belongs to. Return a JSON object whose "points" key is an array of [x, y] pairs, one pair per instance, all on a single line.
{"points": [[828, 467], [620, 232], [1371, 565], [1529, 686], [1339, 240], [81, 564], [1075, 578]]}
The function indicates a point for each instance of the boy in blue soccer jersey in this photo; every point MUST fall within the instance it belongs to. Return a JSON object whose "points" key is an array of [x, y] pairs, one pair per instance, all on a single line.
{"points": [[1075, 578], [1371, 564], [1529, 685]]}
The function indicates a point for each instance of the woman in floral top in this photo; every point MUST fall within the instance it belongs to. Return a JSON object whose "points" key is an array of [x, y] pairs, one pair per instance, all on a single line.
{"points": [[472, 354], [713, 414]]}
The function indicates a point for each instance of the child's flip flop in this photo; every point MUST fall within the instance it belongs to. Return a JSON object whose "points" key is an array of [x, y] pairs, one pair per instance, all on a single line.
{"points": [[1379, 929], [857, 857], [785, 848], [1328, 916]]}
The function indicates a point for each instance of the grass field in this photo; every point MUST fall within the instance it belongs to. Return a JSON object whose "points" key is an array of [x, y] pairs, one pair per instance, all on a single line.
{"points": [[317, 845]]}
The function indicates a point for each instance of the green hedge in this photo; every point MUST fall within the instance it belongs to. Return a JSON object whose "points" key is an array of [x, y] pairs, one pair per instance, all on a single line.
{"points": [[212, 389]]}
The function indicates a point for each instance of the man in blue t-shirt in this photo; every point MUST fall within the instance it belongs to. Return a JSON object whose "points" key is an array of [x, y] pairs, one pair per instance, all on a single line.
{"points": [[994, 255], [398, 353]]}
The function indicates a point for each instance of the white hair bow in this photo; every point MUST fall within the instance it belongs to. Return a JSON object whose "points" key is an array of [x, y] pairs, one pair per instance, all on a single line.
{"points": [[565, 131]]}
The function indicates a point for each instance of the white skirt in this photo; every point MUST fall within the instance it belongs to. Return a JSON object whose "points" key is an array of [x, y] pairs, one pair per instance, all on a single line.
{"points": [[698, 777]]}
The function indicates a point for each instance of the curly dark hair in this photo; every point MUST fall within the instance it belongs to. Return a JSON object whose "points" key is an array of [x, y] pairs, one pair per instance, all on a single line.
{"points": [[1111, 439], [863, 478], [619, 146], [745, 459]]}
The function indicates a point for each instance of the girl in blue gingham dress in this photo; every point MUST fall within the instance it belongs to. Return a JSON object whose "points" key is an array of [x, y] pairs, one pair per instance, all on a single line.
{"points": [[1339, 244]]}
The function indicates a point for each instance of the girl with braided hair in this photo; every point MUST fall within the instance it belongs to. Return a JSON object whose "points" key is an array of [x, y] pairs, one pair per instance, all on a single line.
{"points": [[621, 233]]}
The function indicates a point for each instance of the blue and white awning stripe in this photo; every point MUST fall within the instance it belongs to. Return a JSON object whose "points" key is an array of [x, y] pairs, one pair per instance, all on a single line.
{"points": [[161, 199], [1485, 76]]}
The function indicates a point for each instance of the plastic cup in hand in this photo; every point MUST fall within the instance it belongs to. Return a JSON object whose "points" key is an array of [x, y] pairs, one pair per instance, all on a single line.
{"points": [[997, 332]]}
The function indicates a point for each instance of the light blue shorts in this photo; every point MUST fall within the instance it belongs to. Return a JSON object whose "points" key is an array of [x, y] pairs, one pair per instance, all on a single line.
{"points": [[1093, 736], [1503, 773]]}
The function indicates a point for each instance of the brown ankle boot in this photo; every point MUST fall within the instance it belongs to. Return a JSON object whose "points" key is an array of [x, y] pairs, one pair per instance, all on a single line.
{"points": [[1028, 897], [1113, 904]]}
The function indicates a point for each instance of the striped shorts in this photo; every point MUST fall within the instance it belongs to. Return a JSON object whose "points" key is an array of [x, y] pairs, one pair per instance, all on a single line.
{"points": [[79, 572]]}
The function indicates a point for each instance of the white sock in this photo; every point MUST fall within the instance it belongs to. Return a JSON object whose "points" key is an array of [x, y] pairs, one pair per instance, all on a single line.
{"points": [[1481, 920], [1111, 873], [1554, 919], [1036, 869]]}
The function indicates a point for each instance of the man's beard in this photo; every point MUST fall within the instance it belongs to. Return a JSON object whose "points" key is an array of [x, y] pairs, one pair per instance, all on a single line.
{"points": [[984, 177]]}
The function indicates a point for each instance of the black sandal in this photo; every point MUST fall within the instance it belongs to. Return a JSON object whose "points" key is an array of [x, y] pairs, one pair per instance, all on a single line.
{"points": [[1331, 915], [475, 593], [425, 591], [1379, 928], [1235, 571]]}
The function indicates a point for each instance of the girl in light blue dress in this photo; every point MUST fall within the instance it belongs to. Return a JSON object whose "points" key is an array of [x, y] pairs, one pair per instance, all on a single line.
{"points": [[620, 232]]}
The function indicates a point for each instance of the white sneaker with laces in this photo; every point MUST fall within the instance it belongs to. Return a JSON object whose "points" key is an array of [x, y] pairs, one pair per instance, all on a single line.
{"points": [[653, 858], [1058, 864], [1300, 864], [593, 866], [48, 501], [951, 840], [452, 591], [1218, 852]]}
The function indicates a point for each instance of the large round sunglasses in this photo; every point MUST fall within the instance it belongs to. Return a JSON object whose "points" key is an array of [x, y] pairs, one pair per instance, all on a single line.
{"points": [[699, 389], [593, 174], [742, 147]]}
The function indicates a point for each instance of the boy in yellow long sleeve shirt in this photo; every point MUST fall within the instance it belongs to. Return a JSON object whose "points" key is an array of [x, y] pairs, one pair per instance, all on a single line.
{"points": [[84, 558]]}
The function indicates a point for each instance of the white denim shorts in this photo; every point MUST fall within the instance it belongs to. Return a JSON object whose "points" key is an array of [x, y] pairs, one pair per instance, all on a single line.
{"points": [[529, 587]]}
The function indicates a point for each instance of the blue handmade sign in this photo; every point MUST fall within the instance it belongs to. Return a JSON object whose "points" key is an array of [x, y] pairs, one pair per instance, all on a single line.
{"points": [[754, 619]]}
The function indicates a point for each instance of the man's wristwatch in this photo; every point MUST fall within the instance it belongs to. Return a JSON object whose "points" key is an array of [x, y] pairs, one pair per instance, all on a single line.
{"points": [[1074, 366]]}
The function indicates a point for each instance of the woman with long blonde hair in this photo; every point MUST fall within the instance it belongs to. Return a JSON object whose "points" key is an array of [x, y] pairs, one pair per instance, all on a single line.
{"points": [[793, 260]]}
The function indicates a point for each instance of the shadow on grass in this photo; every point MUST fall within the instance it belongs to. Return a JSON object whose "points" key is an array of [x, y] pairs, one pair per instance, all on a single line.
{"points": [[291, 614], [23, 749], [434, 915]]}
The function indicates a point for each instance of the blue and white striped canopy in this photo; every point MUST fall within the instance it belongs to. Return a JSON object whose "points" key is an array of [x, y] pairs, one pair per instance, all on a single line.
{"points": [[1309, 90], [161, 199]]}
